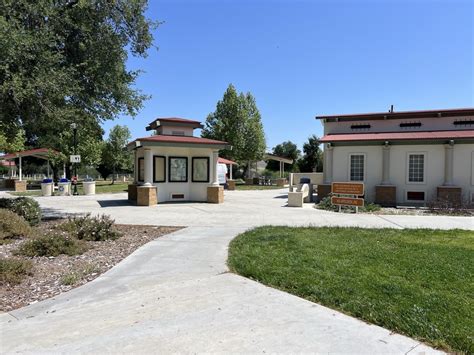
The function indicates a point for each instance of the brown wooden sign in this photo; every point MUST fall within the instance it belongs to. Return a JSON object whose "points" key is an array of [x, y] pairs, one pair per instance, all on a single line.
{"points": [[348, 188], [347, 201]]}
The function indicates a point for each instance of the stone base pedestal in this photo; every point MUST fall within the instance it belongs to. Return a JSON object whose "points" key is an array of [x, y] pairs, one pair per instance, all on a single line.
{"points": [[453, 194], [386, 195], [248, 181], [215, 194], [231, 185], [147, 196], [132, 192], [281, 182], [20, 186], [323, 191]]}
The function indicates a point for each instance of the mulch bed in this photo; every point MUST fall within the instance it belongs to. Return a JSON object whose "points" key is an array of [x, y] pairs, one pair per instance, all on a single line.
{"points": [[54, 275]]}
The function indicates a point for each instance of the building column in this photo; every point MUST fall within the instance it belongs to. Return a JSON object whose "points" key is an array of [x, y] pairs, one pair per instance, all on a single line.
{"points": [[327, 171], [448, 163], [386, 164], [20, 172], [148, 160], [215, 157]]}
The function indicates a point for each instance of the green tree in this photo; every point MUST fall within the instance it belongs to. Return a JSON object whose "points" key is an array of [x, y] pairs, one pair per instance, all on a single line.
{"points": [[115, 156], [237, 121], [288, 150], [14, 144], [312, 159], [65, 61]]}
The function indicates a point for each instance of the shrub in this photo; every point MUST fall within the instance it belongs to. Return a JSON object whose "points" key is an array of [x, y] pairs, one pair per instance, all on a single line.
{"points": [[51, 245], [23, 206], [12, 271], [12, 226], [325, 204], [446, 207], [91, 228], [70, 279]]}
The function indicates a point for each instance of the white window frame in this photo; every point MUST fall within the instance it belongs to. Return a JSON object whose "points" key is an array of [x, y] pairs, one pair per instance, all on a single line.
{"points": [[349, 167], [415, 190], [407, 166]]}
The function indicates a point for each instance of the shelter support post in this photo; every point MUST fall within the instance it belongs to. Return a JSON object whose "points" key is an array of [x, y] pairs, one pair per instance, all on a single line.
{"points": [[20, 172]]}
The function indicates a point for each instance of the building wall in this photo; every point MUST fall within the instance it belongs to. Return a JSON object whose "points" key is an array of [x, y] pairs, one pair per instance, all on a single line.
{"points": [[393, 125], [174, 130], [463, 166], [193, 191]]}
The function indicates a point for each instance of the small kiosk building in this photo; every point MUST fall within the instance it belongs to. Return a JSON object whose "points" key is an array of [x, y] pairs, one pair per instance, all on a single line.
{"points": [[174, 165]]}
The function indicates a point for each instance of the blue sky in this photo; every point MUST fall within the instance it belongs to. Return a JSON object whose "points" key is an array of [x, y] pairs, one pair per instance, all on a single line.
{"points": [[305, 58]]}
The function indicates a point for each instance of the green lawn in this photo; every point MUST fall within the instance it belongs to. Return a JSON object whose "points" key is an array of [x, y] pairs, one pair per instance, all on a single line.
{"points": [[101, 187], [257, 187], [415, 282]]}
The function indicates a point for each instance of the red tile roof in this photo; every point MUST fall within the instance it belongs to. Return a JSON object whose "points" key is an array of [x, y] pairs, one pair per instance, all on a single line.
{"points": [[403, 114], [39, 151], [181, 139], [226, 161], [398, 136]]}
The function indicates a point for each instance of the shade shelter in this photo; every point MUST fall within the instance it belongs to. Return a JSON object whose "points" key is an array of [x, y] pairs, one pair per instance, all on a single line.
{"points": [[227, 162], [282, 161], [41, 153], [174, 165]]}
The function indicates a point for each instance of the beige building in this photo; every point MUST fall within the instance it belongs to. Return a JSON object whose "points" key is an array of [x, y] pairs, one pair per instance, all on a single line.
{"points": [[404, 158], [173, 165]]}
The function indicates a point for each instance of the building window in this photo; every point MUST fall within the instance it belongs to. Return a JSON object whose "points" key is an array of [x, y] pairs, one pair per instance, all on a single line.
{"points": [[465, 122], [141, 169], [360, 126], [416, 167], [200, 169], [178, 169], [159, 168], [415, 195], [357, 163], [410, 125]]}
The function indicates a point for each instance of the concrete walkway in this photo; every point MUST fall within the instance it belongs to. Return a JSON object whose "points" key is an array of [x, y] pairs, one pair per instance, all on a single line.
{"points": [[240, 209], [175, 293]]}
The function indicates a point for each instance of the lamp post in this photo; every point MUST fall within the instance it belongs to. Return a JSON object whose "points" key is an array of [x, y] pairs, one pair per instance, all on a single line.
{"points": [[74, 129]]}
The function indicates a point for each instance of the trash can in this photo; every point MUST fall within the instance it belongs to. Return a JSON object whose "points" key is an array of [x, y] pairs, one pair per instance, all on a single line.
{"points": [[89, 187], [47, 187], [64, 188]]}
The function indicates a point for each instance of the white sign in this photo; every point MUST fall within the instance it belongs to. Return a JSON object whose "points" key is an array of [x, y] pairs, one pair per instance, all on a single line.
{"points": [[75, 158]]}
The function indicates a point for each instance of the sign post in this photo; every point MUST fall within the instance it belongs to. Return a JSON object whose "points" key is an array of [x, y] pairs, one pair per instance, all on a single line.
{"points": [[347, 194]]}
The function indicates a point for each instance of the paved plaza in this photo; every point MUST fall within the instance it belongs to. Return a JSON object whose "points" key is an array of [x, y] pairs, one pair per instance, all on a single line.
{"points": [[175, 294]]}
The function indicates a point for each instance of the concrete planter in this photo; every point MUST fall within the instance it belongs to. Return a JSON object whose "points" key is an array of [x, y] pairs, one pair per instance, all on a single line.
{"points": [[89, 187], [64, 188], [46, 188]]}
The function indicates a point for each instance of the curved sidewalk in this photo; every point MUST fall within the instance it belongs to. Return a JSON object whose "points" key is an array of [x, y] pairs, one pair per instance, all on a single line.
{"points": [[175, 295]]}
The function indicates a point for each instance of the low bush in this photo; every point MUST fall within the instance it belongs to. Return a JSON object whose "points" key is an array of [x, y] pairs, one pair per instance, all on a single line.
{"points": [[325, 204], [91, 228], [26, 207], [51, 245], [12, 270], [12, 226], [446, 207]]}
